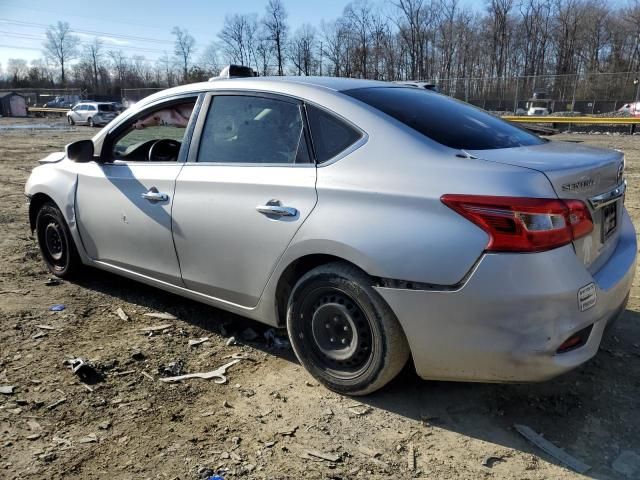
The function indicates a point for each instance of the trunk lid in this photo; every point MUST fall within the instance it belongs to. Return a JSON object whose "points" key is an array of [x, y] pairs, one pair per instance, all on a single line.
{"points": [[593, 175]]}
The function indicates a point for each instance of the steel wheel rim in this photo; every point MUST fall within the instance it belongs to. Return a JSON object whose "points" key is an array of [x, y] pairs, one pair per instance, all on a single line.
{"points": [[53, 242], [350, 352]]}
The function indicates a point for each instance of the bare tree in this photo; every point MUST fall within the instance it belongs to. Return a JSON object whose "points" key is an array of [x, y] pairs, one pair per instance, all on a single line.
{"points": [[238, 37], [120, 64], [93, 56], [209, 59], [185, 46], [17, 69], [302, 48], [61, 46], [275, 23]]}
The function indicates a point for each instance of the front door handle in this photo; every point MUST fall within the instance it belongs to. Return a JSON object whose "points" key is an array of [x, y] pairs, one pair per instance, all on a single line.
{"points": [[274, 207], [153, 195]]}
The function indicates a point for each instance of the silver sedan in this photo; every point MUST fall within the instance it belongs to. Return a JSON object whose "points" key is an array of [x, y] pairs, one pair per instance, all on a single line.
{"points": [[376, 222]]}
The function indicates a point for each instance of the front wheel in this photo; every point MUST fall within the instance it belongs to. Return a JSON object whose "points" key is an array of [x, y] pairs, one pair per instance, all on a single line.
{"points": [[343, 332], [55, 241], [70, 120]]}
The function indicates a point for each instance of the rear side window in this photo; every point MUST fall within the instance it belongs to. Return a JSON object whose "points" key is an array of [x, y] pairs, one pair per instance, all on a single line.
{"points": [[330, 134], [445, 120], [105, 107], [246, 129]]}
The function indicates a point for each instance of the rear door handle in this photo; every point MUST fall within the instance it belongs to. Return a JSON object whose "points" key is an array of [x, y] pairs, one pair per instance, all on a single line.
{"points": [[274, 207], [153, 195]]}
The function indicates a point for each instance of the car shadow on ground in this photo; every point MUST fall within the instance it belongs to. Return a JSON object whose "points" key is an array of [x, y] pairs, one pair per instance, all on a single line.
{"points": [[587, 412]]}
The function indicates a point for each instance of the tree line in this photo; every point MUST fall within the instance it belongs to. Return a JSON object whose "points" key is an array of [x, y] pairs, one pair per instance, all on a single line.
{"points": [[386, 40]]}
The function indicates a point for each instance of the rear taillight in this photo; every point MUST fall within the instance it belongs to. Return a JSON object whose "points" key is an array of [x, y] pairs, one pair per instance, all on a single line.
{"points": [[517, 224]]}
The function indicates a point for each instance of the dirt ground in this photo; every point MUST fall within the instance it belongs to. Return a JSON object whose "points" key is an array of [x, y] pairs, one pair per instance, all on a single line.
{"points": [[264, 422]]}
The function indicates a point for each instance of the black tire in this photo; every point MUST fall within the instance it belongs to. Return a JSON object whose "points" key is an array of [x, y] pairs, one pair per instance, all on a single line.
{"points": [[56, 244], [343, 332], [70, 120], [90, 121]]}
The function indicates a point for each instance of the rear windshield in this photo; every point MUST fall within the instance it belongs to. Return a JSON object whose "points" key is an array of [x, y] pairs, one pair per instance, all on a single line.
{"points": [[445, 120], [106, 107]]}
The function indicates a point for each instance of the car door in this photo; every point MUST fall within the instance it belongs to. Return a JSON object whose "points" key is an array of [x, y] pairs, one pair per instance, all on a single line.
{"points": [[91, 111], [123, 203], [77, 113], [73, 114], [247, 188]]}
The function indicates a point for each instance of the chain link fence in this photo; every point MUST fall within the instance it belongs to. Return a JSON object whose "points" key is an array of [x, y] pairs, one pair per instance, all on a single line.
{"points": [[594, 93], [39, 97]]}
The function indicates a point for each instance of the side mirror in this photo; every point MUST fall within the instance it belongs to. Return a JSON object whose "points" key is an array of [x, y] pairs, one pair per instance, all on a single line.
{"points": [[80, 151]]}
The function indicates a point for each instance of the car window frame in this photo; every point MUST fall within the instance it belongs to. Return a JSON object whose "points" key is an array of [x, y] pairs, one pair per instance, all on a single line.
{"points": [[364, 137], [122, 128], [207, 102]]}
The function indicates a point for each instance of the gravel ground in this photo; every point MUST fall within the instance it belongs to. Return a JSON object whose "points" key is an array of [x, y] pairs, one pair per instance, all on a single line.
{"points": [[271, 420]]}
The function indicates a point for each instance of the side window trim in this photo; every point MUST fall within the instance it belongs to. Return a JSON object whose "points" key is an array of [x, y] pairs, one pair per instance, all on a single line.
{"points": [[108, 142], [207, 102], [364, 136]]}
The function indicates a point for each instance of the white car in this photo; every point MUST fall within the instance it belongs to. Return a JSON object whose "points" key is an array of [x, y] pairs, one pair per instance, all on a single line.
{"points": [[92, 113]]}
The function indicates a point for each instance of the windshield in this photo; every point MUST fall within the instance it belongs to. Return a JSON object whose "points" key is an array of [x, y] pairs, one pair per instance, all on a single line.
{"points": [[445, 120]]}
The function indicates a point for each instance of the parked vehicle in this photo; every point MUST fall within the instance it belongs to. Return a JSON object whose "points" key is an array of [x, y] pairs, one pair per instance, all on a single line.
{"points": [[92, 113], [632, 108], [62, 101], [374, 221]]}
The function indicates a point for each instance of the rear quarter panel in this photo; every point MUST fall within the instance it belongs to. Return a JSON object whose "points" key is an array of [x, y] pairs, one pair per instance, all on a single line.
{"points": [[380, 207]]}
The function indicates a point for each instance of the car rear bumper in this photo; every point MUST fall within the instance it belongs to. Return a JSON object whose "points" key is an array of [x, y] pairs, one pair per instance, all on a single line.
{"points": [[506, 322]]}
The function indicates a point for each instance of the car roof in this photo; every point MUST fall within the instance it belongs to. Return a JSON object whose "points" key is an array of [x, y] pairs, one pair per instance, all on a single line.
{"points": [[272, 84]]}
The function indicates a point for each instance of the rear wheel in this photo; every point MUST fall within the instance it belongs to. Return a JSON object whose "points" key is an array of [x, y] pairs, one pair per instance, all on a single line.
{"points": [[90, 121], [56, 244], [343, 332]]}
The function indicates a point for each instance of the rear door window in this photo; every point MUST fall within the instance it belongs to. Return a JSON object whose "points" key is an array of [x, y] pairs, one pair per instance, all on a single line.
{"points": [[445, 120], [251, 129], [330, 134]]}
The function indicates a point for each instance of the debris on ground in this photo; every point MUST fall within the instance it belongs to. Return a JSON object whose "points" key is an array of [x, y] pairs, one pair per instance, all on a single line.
{"points": [[137, 355], [218, 375], [288, 432], [38, 335], [91, 438], [7, 389], [52, 282], [106, 425], [86, 371], [359, 409], [545, 445], [171, 369], [161, 315], [275, 340], [411, 457], [157, 328], [198, 341], [226, 404], [58, 307], [329, 457], [231, 341], [490, 460], [123, 316], [45, 327], [56, 403]]}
